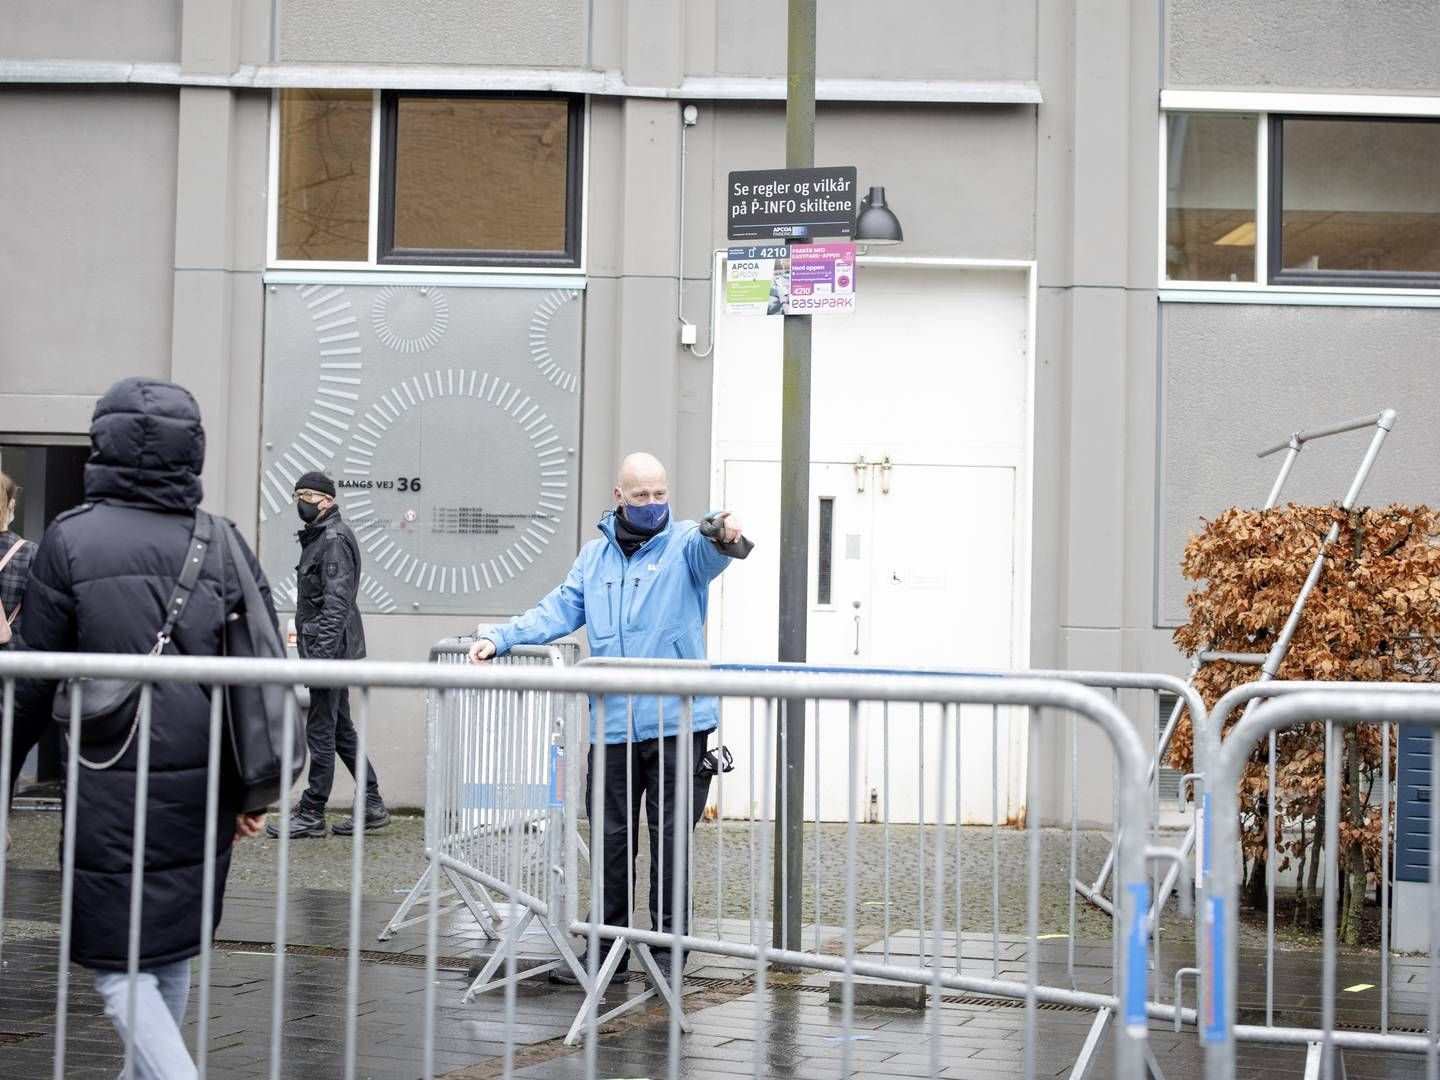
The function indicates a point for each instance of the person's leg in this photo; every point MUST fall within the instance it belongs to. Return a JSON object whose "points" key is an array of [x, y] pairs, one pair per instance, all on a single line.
{"points": [[174, 980], [320, 734], [621, 795], [347, 744], [676, 774], [160, 1052]]}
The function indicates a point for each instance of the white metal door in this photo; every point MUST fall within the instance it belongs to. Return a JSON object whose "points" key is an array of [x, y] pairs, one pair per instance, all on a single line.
{"points": [[910, 567], [920, 438]]}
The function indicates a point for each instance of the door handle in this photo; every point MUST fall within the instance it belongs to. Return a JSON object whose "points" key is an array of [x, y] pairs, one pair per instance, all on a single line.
{"points": [[861, 467], [857, 627], [885, 475]]}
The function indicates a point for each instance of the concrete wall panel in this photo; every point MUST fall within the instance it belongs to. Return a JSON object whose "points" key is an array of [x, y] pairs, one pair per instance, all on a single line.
{"points": [[936, 39], [522, 33], [961, 179], [1362, 45], [1238, 377], [130, 30], [88, 281]]}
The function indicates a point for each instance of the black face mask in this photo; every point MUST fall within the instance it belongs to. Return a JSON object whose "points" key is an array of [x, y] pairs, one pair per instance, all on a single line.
{"points": [[308, 512]]}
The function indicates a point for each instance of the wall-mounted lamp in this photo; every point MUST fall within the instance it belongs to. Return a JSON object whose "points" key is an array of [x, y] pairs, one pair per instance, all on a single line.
{"points": [[877, 223]]}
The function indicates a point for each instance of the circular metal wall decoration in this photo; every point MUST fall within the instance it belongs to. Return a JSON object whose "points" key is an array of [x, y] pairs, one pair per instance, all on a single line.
{"points": [[540, 351], [409, 319], [404, 503]]}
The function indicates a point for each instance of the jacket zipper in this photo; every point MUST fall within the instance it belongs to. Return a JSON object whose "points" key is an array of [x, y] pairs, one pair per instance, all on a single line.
{"points": [[632, 608], [610, 599]]}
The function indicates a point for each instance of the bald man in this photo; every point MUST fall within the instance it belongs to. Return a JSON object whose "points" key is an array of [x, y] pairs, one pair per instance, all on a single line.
{"points": [[640, 590]]}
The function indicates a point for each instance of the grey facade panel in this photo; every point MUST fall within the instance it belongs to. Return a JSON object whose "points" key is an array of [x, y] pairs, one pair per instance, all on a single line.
{"points": [[1360, 45], [1238, 377], [961, 179], [937, 39], [522, 33], [132, 30], [88, 282]]}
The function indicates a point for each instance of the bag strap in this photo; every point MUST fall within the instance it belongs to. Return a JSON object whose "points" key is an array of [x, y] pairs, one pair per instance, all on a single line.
{"points": [[184, 586], [250, 591], [14, 550], [189, 575]]}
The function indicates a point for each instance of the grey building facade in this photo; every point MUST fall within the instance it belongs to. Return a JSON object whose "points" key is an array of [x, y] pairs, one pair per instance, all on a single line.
{"points": [[1110, 153]]}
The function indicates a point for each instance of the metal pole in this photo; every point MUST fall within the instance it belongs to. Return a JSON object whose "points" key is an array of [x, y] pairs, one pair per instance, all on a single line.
{"points": [[794, 503]]}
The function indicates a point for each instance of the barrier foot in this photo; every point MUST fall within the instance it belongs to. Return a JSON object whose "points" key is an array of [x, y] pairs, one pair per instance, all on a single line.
{"points": [[1151, 1065], [1093, 896], [505, 949], [1314, 1060], [400, 920], [661, 984], [597, 992], [1092, 1043]]}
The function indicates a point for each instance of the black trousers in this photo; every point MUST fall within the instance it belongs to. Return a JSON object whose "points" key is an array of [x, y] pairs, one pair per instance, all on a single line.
{"points": [[652, 769], [328, 731], [32, 720]]}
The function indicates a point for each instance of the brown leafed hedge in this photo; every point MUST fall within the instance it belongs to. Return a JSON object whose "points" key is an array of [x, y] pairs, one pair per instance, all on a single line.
{"points": [[1374, 615]]}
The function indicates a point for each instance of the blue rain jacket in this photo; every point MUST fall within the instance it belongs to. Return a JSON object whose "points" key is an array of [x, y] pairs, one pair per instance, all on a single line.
{"points": [[651, 606]]}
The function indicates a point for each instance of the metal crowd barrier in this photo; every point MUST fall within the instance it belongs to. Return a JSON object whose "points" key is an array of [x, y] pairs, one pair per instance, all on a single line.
{"points": [[912, 833], [493, 809], [945, 696], [909, 704], [1338, 705]]}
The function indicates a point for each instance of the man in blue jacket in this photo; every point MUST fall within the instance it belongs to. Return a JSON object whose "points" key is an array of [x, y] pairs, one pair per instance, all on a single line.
{"points": [[640, 590]]}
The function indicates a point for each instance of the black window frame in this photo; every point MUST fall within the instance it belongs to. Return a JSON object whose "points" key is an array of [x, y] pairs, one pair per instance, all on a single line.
{"points": [[388, 254], [1275, 272]]}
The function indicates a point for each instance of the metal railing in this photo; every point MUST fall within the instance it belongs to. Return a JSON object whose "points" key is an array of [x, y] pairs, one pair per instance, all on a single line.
{"points": [[493, 812], [928, 711], [947, 696], [1338, 706]]}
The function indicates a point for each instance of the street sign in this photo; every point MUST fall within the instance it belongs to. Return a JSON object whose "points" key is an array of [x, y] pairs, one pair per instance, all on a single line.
{"points": [[822, 279], [772, 204], [757, 279]]}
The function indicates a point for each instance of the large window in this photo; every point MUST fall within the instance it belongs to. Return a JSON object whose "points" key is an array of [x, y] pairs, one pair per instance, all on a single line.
{"points": [[455, 180], [1290, 200], [1354, 200]]}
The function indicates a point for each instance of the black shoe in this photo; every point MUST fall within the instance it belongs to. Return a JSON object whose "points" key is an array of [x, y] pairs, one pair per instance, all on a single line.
{"points": [[663, 961], [563, 976], [376, 817], [303, 823]]}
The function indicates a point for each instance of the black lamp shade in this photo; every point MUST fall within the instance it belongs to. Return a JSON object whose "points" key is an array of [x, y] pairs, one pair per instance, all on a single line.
{"points": [[877, 224]]}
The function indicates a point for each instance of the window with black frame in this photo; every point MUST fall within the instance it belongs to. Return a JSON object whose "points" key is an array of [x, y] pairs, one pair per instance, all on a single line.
{"points": [[474, 179], [1354, 202]]}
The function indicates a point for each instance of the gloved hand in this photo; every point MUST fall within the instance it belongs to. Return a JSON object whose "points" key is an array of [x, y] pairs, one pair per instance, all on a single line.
{"points": [[723, 530]]}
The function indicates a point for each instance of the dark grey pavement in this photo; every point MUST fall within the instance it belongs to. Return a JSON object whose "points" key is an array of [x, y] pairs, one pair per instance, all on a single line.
{"points": [[794, 1029]]}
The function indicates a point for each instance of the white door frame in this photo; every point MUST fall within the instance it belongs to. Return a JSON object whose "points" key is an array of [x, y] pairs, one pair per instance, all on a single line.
{"points": [[1024, 496]]}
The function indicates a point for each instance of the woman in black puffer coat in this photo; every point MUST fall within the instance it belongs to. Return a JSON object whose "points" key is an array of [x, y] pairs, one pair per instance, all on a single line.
{"points": [[100, 583]]}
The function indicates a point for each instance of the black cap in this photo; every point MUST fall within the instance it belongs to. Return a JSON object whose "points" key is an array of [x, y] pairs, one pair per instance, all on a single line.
{"points": [[316, 481]]}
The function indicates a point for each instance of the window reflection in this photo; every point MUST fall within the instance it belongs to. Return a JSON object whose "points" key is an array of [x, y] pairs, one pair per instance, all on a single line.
{"points": [[1360, 195], [1210, 197], [324, 196]]}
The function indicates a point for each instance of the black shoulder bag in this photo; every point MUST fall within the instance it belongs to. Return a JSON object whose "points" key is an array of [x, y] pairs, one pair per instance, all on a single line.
{"points": [[255, 715], [109, 706]]}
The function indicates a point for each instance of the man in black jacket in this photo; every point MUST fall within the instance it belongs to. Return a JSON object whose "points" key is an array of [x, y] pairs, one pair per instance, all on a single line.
{"points": [[328, 626]]}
